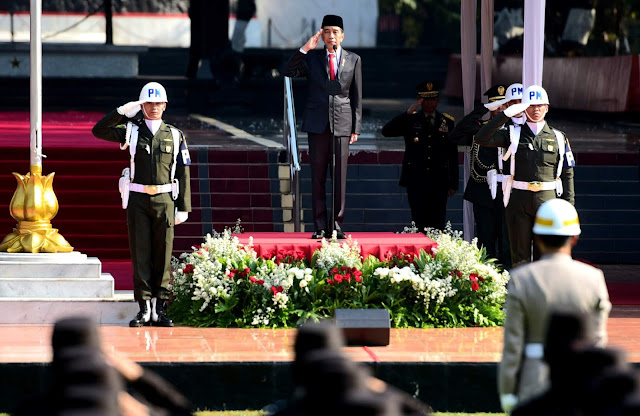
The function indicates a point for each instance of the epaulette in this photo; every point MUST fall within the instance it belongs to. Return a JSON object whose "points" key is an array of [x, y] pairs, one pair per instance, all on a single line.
{"points": [[449, 116]]}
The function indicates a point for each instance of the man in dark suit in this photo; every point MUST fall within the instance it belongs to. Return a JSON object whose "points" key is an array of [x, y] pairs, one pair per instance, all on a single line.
{"points": [[430, 163], [339, 117]]}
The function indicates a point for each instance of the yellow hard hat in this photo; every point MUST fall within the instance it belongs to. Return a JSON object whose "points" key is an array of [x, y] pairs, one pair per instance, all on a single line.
{"points": [[557, 217]]}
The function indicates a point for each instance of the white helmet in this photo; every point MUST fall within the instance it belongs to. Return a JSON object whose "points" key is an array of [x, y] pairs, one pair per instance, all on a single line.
{"points": [[557, 217], [535, 94], [153, 92], [514, 92]]}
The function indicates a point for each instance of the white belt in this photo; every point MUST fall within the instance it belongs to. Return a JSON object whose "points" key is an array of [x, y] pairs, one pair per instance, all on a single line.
{"points": [[150, 189], [534, 186], [534, 350], [499, 177]]}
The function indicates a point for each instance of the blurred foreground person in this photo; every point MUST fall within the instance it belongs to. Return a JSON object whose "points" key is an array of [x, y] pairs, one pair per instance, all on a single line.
{"points": [[84, 382], [555, 282], [327, 382]]}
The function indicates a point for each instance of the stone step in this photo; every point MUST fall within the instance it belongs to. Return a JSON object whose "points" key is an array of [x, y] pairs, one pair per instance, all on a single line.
{"points": [[118, 309]]}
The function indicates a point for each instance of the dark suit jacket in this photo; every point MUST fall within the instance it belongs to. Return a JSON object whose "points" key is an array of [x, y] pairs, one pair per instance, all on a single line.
{"points": [[318, 109], [432, 161]]}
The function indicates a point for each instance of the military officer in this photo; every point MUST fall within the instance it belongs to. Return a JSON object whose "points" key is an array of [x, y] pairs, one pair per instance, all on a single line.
{"points": [[488, 208], [156, 192], [554, 283], [430, 163], [540, 166]]}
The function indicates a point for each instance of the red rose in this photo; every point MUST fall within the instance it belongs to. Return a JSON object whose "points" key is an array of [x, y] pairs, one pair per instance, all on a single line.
{"points": [[481, 278], [260, 282], [188, 268], [338, 278], [475, 286], [253, 279], [330, 281], [274, 290], [358, 279], [458, 272], [473, 277]]}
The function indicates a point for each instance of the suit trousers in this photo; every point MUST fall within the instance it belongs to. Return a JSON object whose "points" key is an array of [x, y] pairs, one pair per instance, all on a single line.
{"points": [[320, 160], [150, 220], [491, 227]]}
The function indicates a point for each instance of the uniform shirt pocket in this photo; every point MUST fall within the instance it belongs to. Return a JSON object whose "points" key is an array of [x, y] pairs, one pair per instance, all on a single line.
{"points": [[166, 152], [549, 152]]}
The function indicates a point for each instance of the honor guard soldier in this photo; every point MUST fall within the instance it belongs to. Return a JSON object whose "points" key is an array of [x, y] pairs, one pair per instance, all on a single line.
{"points": [[155, 191], [540, 164], [555, 283], [430, 163], [482, 190]]}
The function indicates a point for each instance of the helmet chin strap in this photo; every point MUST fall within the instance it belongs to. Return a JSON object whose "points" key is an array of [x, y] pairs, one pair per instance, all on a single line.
{"points": [[146, 116], [536, 120]]}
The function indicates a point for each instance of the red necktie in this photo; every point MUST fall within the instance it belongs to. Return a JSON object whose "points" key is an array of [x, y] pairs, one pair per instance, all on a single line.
{"points": [[332, 65]]}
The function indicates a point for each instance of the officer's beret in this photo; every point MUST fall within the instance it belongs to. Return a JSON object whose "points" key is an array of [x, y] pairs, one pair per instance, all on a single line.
{"points": [[496, 92], [332, 20], [427, 89]]}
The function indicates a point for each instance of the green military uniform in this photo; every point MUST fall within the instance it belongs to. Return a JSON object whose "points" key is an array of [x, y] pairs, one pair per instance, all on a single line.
{"points": [[150, 218], [429, 166], [489, 214], [536, 160]]}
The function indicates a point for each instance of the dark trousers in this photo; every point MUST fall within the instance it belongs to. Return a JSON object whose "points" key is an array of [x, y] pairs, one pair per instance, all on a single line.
{"points": [[428, 206], [320, 160], [520, 214], [150, 220], [493, 234]]}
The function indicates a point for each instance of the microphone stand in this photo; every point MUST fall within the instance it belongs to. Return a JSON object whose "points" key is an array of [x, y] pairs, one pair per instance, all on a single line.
{"points": [[333, 88]]}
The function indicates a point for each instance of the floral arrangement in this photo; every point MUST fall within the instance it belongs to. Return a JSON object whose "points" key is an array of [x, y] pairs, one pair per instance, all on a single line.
{"points": [[224, 283]]}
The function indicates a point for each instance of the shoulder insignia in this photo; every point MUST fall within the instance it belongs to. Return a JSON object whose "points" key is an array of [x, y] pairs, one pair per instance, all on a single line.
{"points": [[450, 117]]}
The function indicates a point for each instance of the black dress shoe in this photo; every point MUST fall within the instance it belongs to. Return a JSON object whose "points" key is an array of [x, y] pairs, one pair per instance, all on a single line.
{"points": [[340, 235], [143, 318], [159, 314], [318, 234]]}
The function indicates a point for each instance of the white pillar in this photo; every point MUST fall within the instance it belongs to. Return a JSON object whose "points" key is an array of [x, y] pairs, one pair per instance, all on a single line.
{"points": [[468, 63], [533, 48]]}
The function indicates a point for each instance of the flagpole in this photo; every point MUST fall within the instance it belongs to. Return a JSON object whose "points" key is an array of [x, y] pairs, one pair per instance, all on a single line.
{"points": [[35, 87], [34, 203]]}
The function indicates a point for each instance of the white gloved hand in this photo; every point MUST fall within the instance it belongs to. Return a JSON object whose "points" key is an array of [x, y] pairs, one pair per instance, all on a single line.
{"points": [[130, 109], [181, 216], [515, 109], [493, 106], [508, 402]]}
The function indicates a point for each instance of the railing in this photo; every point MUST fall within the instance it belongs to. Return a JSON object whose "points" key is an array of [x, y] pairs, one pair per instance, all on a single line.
{"points": [[290, 138]]}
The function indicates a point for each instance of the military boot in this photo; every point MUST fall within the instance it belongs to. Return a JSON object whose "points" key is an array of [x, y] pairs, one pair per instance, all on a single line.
{"points": [[143, 318], [159, 313]]}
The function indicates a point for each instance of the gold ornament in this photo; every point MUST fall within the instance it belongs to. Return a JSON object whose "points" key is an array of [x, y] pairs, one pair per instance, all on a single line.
{"points": [[33, 205]]}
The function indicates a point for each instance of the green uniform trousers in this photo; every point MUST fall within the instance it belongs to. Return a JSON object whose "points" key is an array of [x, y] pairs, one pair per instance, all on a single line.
{"points": [[520, 215], [150, 220]]}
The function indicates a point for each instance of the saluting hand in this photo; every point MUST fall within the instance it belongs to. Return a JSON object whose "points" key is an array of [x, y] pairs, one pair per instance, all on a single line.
{"points": [[130, 109], [415, 106], [312, 42]]}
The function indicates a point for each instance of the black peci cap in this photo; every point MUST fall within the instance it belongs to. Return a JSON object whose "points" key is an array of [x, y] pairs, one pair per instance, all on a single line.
{"points": [[332, 20]]}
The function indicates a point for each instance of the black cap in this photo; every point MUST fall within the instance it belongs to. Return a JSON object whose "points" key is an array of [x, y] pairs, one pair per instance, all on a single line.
{"points": [[428, 89], [496, 92], [332, 20]]}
